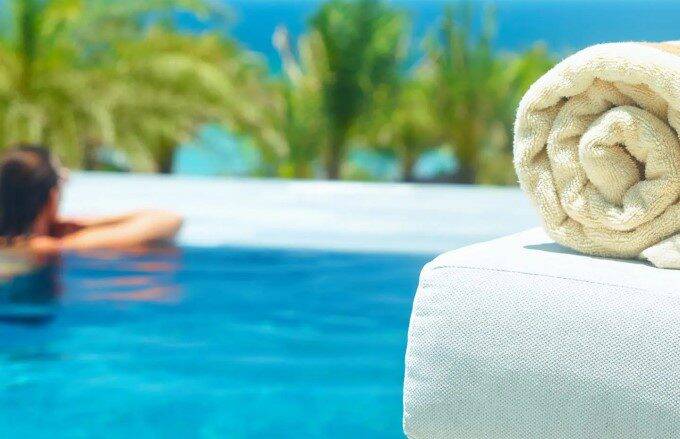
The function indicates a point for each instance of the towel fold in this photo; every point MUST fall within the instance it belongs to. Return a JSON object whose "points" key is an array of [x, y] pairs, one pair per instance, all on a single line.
{"points": [[597, 150]]}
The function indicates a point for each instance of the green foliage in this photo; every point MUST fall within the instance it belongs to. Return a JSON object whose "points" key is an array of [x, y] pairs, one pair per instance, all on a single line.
{"points": [[45, 90], [82, 74], [348, 85], [299, 118], [522, 70], [166, 85], [332, 78], [360, 47], [407, 123], [474, 92], [79, 74]]}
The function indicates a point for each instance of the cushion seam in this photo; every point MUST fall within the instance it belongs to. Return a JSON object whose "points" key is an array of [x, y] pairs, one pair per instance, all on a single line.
{"points": [[500, 270]]}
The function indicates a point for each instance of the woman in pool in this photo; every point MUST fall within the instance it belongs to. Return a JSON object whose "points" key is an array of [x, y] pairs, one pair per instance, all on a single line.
{"points": [[30, 189]]}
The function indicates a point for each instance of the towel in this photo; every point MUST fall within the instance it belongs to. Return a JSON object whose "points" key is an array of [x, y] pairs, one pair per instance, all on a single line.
{"points": [[597, 150]]}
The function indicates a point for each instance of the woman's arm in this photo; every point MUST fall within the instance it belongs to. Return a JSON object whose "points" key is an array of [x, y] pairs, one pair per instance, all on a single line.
{"points": [[68, 225], [129, 230]]}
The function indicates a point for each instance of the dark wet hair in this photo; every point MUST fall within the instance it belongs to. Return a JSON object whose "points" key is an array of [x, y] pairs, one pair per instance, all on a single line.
{"points": [[27, 175]]}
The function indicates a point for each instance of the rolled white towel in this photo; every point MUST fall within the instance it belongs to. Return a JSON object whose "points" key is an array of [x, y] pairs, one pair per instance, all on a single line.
{"points": [[597, 150]]}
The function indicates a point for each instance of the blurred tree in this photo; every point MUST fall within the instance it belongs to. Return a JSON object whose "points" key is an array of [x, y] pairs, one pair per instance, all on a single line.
{"points": [[521, 70], [465, 82], [166, 85], [359, 47], [298, 119], [78, 74], [45, 91], [475, 92], [406, 123]]}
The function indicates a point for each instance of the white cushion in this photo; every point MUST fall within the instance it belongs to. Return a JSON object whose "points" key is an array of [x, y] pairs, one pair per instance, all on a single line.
{"points": [[520, 338]]}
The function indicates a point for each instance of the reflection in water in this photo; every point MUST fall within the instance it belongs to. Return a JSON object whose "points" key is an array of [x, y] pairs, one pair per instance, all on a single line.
{"points": [[135, 275], [169, 294], [129, 281], [99, 289], [29, 287]]}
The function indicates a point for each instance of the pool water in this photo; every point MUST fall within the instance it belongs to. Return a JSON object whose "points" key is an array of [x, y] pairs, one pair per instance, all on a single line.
{"points": [[211, 342]]}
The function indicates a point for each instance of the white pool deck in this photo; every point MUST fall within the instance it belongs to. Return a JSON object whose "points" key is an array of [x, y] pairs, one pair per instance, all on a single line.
{"points": [[350, 216]]}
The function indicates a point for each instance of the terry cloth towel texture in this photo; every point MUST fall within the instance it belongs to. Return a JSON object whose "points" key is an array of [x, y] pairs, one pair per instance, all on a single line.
{"points": [[597, 150]]}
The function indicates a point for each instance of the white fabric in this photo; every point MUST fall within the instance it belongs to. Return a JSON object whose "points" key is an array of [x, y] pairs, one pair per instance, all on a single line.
{"points": [[523, 338], [597, 151]]}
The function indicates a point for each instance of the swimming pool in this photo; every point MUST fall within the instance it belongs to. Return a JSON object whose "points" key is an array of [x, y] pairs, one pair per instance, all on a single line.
{"points": [[216, 343], [234, 335]]}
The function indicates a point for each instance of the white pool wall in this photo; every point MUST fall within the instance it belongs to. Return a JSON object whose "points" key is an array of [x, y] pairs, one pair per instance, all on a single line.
{"points": [[409, 218]]}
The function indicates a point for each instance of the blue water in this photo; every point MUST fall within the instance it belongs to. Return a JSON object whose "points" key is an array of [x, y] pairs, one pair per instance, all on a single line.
{"points": [[563, 25], [211, 343]]}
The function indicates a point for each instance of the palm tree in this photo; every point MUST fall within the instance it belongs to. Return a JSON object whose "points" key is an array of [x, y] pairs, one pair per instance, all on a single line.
{"points": [[46, 95], [405, 123], [475, 91], [464, 76], [166, 85], [297, 132], [77, 75], [360, 47], [415, 128], [521, 70], [330, 79]]}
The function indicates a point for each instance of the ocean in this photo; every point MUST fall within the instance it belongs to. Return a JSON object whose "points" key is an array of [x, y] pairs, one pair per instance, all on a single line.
{"points": [[564, 26]]}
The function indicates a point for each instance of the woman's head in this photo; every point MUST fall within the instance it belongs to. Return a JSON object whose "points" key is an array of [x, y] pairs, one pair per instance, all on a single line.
{"points": [[29, 191]]}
